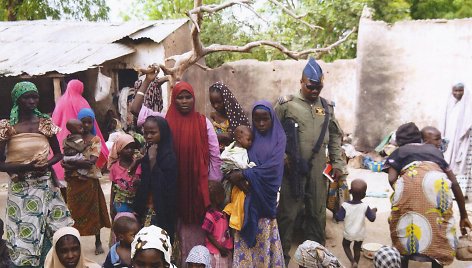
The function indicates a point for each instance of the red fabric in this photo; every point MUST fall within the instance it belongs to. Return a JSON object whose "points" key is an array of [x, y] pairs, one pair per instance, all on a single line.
{"points": [[191, 147], [67, 107]]}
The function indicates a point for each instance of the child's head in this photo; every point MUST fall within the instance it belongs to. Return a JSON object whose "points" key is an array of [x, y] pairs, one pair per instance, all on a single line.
{"points": [[358, 189], [151, 247], [75, 126], [151, 131], [216, 98], [243, 136], [198, 257], [431, 135], [125, 228], [217, 194]]}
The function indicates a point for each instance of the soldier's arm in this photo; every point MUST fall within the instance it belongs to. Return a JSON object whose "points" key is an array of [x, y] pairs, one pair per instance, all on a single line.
{"points": [[334, 145], [280, 111]]}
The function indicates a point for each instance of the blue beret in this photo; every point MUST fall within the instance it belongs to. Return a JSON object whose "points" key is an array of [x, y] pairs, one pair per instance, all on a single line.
{"points": [[313, 71]]}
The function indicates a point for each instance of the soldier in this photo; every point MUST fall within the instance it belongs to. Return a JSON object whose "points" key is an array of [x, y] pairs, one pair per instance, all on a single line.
{"points": [[311, 127]]}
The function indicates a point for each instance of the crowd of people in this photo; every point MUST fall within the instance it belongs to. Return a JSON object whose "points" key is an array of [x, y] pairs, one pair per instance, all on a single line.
{"points": [[224, 191]]}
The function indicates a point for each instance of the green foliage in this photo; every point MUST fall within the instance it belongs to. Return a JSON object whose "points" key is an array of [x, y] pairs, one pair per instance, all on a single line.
{"points": [[93, 10], [335, 16]]}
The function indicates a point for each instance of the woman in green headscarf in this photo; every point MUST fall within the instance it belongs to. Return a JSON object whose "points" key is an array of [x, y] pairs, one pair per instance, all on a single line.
{"points": [[35, 208]]}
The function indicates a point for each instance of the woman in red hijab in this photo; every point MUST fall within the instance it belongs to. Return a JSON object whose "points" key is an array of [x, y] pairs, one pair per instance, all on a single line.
{"points": [[191, 144], [68, 107]]}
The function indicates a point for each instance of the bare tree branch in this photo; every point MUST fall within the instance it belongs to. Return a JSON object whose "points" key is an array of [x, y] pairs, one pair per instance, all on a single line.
{"points": [[183, 61]]}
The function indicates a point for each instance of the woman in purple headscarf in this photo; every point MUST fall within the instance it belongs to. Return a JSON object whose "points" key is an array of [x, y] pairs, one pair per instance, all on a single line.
{"points": [[258, 242]]}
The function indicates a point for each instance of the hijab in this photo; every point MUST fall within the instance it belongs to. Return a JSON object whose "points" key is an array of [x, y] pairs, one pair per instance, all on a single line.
{"points": [[121, 142], [267, 152], [161, 181], [190, 135], [67, 107], [52, 260], [234, 111], [152, 237], [87, 112], [18, 90]]}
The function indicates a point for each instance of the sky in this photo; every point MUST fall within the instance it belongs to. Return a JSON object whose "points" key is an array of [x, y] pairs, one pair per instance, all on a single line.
{"points": [[117, 7]]}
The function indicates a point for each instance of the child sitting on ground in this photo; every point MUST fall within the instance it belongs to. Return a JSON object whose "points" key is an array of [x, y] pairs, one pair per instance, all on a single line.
{"points": [[125, 228], [74, 145], [199, 257], [235, 157], [4, 256], [125, 173], [353, 213], [218, 239]]}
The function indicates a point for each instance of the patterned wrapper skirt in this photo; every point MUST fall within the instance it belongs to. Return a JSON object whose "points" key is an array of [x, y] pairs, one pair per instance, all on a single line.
{"points": [[421, 220], [266, 253], [87, 205], [35, 210]]}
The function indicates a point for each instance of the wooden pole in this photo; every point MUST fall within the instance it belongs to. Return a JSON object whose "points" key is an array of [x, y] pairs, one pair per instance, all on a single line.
{"points": [[57, 88]]}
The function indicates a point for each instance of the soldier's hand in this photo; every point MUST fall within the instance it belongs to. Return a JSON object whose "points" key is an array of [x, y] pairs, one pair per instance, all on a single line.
{"points": [[337, 174]]}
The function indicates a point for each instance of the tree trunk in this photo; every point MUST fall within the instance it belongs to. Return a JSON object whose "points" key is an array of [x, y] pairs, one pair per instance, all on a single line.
{"points": [[12, 7]]}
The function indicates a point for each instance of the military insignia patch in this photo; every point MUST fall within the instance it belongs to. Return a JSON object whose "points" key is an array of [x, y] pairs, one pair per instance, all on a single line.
{"points": [[319, 111]]}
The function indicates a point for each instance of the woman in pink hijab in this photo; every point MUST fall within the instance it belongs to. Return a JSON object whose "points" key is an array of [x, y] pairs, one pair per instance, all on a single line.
{"points": [[67, 107]]}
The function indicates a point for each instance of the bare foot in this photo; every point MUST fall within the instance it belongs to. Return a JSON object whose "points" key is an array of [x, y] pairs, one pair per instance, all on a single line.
{"points": [[99, 249], [354, 265]]}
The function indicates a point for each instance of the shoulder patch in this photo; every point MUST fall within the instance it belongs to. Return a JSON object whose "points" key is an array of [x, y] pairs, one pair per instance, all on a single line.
{"points": [[284, 99]]}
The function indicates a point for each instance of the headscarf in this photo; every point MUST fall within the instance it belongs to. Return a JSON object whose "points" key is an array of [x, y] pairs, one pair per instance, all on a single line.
{"points": [[152, 237], [191, 147], [19, 89], [153, 98], [199, 255], [312, 254], [67, 107], [234, 111], [87, 112], [387, 257], [407, 133], [120, 143], [456, 153], [161, 181], [52, 260], [267, 152]]}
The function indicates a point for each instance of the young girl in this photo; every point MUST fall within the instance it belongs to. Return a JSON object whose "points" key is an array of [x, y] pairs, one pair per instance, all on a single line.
{"points": [[125, 173], [85, 199], [151, 247], [228, 113], [157, 190], [218, 239]]}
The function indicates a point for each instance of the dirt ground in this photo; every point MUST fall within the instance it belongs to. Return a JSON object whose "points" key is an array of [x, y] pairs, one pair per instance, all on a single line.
{"points": [[377, 231]]}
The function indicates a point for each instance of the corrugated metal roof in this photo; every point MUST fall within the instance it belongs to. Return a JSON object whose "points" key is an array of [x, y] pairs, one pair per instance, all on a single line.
{"points": [[38, 47]]}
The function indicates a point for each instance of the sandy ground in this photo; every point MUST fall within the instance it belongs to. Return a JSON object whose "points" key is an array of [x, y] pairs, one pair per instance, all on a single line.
{"points": [[377, 231]]}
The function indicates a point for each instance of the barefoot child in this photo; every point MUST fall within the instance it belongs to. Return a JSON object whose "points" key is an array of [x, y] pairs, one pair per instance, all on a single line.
{"points": [[218, 239], [125, 228], [235, 158], [125, 172], [74, 146], [353, 213]]}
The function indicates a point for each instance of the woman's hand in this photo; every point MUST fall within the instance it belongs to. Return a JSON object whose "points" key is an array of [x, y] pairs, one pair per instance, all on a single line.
{"points": [[151, 72], [236, 178], [464, 224]]}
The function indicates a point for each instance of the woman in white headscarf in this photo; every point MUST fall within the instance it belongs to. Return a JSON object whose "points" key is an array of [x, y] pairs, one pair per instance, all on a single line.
{"points": [[67, 252], [456, 129]]}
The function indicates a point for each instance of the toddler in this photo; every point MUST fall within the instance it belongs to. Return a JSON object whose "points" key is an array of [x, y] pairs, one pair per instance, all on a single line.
{"points": [[235, 157], [125, 228], [218, 239], [74, 145], [353, 213]]}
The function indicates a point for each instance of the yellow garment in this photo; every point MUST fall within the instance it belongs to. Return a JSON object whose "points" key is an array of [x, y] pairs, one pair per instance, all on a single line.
{"points": [[27, 147], [235, 209]]}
